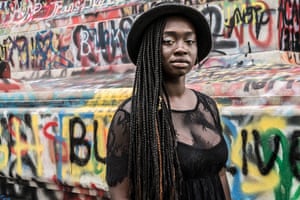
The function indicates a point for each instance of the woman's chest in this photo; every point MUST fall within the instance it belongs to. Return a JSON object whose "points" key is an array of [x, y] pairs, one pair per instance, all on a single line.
{"points": [[196, 162]]}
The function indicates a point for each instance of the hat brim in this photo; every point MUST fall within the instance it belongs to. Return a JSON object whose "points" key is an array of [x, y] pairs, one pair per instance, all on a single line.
{"points": [[204, 40]]}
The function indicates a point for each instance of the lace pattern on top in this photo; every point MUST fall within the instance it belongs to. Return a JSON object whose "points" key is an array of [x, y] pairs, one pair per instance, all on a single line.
{"points": [[201, 126], [118, 148]]}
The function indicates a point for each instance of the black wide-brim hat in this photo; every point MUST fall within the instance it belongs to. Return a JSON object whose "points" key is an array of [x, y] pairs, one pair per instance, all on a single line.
{"points": [[135, 35]]}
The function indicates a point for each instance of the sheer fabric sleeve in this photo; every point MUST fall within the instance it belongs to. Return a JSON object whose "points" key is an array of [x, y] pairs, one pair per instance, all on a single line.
{"points": [[117, 148], [212, 106]]}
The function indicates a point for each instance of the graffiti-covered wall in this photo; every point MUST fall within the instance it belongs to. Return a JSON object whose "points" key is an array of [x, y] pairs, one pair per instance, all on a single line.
{"points": [[67, 71]]}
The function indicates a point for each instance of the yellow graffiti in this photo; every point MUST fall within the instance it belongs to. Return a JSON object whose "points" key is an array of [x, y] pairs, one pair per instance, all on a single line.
{"points": [[267, 122], [66, 167], [92, 165], [105, 102], [38, 147], [76, 170], [244, 11], [255, 182], [21, 146], [255, 4], [127, 11], [101, 146], [4, 156], [3, 153], [17, 146], [110, 97]]}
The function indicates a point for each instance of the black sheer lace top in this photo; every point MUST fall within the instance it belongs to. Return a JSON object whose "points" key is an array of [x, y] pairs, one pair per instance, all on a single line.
{"points": [[201, 148]]}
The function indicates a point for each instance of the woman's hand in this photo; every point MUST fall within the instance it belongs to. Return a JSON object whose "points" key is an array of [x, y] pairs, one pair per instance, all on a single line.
{"points": [[225, 184], [120, 191]]}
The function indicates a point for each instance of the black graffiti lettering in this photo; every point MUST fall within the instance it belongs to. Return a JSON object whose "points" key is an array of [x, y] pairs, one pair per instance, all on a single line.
{"points": [[43, 45], [63, 73], [265, 166], [27, 120], [254, 85], [259, 84], [290, 19], [97, 156], [260, 20], [247, 86], [107, 41], [84, 44], [248, 16], [244, 143], [289, 15], [3, 52], [78, 142], [19, 189], [265, 169], [212, 12], [296, 43], [5, 136], [269, 84], [289, 84], [26, 161], [19, 43], [33, 59], [294, 156], [286, 39], [46, 74], [125, 23]]}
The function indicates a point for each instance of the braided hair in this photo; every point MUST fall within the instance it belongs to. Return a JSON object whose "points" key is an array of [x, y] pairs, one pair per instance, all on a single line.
{"points": [[154, 168]]}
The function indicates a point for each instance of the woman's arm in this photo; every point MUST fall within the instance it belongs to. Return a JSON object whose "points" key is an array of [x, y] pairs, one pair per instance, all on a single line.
{"points": [[120, 191], [117, 156], [225, 184]]}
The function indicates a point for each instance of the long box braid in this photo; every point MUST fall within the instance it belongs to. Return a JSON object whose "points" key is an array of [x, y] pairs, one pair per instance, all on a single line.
{"points": [[154, 168]]}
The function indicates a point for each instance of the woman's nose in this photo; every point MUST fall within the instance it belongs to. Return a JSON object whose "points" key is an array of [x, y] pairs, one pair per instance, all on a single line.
{"points": [[181, 47]]}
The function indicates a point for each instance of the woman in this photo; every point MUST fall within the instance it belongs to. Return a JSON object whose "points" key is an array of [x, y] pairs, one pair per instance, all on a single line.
{"points": [[166, 142]]}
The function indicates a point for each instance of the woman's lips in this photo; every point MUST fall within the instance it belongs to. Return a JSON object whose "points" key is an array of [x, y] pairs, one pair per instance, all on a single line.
{"points": [[180, 62]]}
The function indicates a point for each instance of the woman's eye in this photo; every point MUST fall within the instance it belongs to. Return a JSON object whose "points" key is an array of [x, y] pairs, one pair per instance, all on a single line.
{"points": [[190, 42], [168, 42]]}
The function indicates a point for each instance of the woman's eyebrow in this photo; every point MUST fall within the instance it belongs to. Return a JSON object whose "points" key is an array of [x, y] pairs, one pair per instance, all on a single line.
{"points": [[187, 33]]}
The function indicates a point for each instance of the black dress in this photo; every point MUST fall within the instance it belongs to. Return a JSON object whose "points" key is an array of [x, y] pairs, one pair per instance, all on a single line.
{"points": [[202, 152]]}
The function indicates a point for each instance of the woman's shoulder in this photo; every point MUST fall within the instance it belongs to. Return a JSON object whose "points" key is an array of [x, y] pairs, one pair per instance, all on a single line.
{"points": [[126, 105], [203, 96]]}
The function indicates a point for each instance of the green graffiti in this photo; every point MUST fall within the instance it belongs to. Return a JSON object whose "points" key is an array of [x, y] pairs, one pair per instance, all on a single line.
{"points": [[283, 190]]}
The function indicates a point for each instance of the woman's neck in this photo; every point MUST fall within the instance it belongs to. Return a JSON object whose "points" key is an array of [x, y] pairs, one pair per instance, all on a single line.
{"points": [[180, 97], [175, 88]]}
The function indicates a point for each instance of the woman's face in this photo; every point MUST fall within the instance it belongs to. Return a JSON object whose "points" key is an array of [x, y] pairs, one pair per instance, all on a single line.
{"points": [[179, 47]]}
